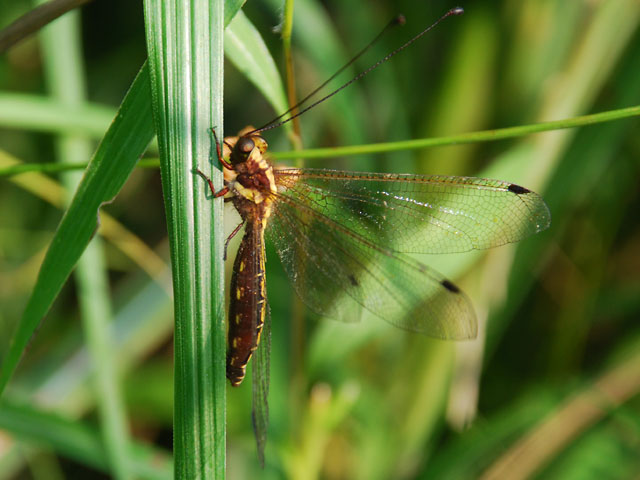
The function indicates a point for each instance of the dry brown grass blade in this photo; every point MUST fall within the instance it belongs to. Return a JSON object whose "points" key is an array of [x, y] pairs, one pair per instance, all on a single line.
{"points": [[139, 252], [531, 453], [34, 20]]}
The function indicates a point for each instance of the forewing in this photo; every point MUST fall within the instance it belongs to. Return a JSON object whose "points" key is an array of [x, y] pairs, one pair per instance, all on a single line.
{"points": [[328, 260], [420, 214], [260, 376]]}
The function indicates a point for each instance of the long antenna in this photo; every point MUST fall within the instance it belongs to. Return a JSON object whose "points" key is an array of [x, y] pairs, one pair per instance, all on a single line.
{"points": [[398, 20], [271, 125]]}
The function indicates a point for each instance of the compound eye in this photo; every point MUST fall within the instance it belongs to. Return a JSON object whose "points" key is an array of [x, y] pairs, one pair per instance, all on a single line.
{"points": [[245, 145]]}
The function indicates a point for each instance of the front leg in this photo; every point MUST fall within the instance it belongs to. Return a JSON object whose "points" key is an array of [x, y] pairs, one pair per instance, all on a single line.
{"points": [[222, 192], [221, 159]]}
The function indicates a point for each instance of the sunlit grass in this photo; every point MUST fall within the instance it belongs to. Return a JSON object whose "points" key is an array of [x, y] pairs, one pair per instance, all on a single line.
{"points": [[558, 312]]}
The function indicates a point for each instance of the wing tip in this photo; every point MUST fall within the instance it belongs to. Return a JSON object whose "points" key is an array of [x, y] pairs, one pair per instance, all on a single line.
{"points": [[261, 440], [544, 219], [541, 213], [461, 323]]}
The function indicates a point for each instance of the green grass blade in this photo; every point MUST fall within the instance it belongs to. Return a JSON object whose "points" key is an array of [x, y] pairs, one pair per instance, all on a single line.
{"points": [[35, 112], [245, 48], [76, 440], [231, 8], [416, 144], [66, 80], [311, 23], [125, 141], [464, 138], [186, 81], [17, 169]]}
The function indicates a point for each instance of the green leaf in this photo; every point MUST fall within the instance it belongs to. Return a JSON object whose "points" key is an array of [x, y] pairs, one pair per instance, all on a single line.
{"points": [[186, 81], [111, 165], [64, 69], [76, 440], [463, 138], [231, 8], [36, 112], [245, 48]]}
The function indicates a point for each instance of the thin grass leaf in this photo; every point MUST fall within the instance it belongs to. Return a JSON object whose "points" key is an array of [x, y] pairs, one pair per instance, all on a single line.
{"points": [[44, 114], [315, 33], [143, 323], [245, 48], [78, 441], [186, 81], [531, 453], [415, 144], [231, 8], [16, 168], [463, 138], [111, 165], [34, 20], [64, 69], [111, 229]]}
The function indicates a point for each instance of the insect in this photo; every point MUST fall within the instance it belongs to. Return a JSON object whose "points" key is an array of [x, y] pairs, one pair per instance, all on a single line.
{"points": [[345, 236]]}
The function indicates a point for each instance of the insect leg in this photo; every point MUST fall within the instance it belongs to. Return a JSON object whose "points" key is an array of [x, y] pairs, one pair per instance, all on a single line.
{"points": [[220, 193], [221, 159], [233, 234]]}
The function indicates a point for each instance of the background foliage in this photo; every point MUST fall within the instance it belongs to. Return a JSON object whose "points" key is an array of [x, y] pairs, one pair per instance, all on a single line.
{"points": [[550, 388]]}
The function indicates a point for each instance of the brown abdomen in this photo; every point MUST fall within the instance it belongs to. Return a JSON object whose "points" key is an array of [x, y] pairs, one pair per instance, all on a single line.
{"points": [[248, 302]]}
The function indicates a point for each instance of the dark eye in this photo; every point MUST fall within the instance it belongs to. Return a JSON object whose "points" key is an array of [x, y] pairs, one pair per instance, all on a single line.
{"points": [[245, 145]]}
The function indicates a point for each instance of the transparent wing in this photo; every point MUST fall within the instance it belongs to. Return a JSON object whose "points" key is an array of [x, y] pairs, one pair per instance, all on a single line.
{"points": [[260, 377], [326, 257], [340, 233], [419, 214]]}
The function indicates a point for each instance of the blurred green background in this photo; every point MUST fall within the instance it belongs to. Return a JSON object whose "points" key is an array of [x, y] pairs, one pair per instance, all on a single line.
{"points": [[549, 389]]}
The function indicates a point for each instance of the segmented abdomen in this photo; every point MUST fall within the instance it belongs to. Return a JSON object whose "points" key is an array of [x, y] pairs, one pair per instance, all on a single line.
{"points": [[248, 302]]}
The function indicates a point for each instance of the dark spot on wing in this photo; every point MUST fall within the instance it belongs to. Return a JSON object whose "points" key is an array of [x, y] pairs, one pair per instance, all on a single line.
{"points": [[450, 286], [353, 280], [517, 189]]}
